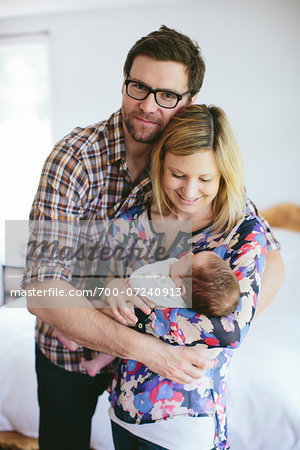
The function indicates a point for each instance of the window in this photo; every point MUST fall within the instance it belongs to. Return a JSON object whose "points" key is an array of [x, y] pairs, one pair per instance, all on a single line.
{"points": [[25, 128]]}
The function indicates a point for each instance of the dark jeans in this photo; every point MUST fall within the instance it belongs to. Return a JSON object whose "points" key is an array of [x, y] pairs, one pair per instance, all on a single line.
{"points": [[67, 403], [124, 440]]}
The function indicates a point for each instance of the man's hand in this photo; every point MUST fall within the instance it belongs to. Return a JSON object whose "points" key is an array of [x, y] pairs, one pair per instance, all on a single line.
{"points": [[177, 363]]}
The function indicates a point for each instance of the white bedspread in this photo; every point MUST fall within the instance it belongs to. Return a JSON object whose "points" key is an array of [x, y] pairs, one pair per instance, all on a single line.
{"points": [[264, 392], [264, 396]]}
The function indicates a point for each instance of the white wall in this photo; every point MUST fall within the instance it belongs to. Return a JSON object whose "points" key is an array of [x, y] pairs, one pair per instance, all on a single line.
{"points": [[251, 50]]}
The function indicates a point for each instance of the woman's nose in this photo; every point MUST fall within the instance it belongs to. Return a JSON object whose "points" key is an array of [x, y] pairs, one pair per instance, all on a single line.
{"points": [[190, 189]]}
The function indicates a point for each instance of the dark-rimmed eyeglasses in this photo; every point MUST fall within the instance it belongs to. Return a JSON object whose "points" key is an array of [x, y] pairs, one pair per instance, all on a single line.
{"points": [[140, 91]]}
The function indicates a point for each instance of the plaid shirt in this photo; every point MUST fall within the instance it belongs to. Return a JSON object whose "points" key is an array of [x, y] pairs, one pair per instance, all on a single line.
{"points": [[84, 178], [272, 243]]}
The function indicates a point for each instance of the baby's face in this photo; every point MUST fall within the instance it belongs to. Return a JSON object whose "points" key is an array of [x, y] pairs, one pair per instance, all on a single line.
{"points": [[201, 258], [184, 264]]}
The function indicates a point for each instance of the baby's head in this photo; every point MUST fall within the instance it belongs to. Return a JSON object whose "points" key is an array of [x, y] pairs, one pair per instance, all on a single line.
{"points": [[215, 289]]}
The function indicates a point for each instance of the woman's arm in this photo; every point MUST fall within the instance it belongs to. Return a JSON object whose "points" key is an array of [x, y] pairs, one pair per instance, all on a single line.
{"points": [[246, 254]]}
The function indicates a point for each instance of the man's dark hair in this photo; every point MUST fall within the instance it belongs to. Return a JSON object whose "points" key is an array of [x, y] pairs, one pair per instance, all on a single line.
{"points": [[167, 44]]}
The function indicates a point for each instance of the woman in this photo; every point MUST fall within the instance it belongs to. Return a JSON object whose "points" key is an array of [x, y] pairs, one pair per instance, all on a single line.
{"points": [[198, 203]]}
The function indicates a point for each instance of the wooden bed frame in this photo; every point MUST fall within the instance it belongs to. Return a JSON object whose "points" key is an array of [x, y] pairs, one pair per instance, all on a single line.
{"points": [[9, 440], [284, 215]]}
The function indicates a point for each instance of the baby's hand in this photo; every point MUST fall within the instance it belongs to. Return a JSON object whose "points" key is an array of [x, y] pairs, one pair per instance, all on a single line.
{"points": [[122, 305]]}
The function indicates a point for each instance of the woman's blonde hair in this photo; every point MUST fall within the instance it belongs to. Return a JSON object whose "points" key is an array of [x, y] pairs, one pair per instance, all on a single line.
{"points": [[198, 128]]}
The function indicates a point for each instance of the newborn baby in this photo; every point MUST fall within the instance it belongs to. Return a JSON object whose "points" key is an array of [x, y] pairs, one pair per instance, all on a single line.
{"points": [[203, 282]]}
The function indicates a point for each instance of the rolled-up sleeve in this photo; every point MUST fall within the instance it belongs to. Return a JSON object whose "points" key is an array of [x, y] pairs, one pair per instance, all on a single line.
{"points": [[272, 242], [54, 217]]}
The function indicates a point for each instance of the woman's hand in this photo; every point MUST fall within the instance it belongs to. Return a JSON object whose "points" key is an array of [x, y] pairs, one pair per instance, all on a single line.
{"points": [[122, 301]]}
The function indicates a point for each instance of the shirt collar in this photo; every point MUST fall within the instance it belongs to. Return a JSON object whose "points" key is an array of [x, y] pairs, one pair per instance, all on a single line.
{"points": [[116, 139]]}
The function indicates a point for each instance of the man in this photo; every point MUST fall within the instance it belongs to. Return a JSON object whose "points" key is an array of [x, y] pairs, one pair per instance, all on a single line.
{"points": [[97, 173]]}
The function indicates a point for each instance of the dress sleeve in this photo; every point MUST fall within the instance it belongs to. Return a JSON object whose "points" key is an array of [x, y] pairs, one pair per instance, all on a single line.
{"points": [[120, 243], [246, 255]]}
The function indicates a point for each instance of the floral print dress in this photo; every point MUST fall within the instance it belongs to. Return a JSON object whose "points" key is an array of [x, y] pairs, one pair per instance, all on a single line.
{"points": [[139, 395]]}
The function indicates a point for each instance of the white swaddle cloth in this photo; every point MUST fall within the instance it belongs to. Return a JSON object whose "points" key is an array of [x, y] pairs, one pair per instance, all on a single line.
{"points": [[154, 282]]}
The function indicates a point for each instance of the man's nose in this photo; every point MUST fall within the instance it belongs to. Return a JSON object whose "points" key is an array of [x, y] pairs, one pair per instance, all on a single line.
{"points": [[149, 104]]}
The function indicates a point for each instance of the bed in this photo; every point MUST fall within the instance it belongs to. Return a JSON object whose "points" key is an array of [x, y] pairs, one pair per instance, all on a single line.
{"points": [[263, 392]]}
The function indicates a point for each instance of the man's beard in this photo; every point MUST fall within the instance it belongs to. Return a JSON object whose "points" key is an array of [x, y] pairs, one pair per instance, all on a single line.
{"points": [[137, 133]]}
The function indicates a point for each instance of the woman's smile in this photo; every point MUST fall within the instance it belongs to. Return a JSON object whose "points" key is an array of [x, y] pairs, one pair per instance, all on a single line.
{"points": [[191, 201]]}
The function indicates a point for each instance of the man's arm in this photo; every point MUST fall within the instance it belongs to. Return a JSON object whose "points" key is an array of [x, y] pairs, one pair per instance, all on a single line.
{"points": [[76, 318], [274, 273], [272, 279]]}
